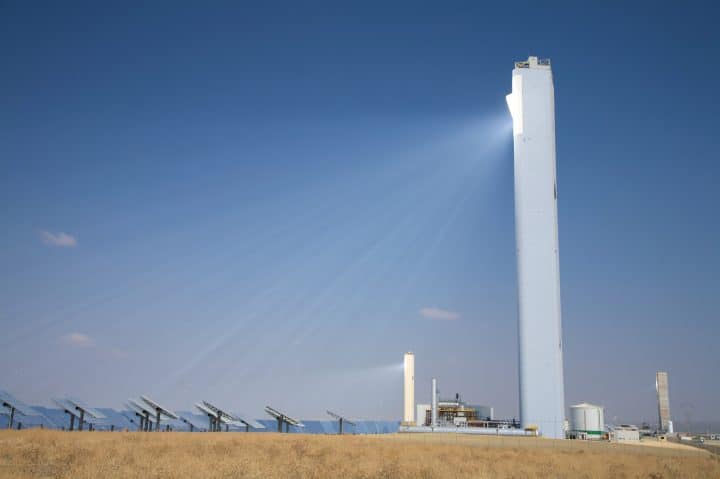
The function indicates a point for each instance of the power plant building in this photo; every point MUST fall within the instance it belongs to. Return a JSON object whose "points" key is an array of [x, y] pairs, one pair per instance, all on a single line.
{"points": [[532, 106], [625, 433], [454, 412]]}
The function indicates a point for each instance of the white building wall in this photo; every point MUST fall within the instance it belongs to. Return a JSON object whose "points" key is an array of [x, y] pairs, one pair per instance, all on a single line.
{"points": [[626, 434], [422, 410], [532, 105]]}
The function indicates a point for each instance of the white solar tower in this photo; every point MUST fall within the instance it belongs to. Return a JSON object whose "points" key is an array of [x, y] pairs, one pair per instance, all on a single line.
{"points": [[532, 106], [409, 389]]}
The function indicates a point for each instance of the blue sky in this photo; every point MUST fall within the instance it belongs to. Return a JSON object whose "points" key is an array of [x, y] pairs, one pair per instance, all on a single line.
{"points": [[269, 205]]}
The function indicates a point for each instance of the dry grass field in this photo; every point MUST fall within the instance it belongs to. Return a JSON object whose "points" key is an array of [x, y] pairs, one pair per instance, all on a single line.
{"points": [[58, 454]]}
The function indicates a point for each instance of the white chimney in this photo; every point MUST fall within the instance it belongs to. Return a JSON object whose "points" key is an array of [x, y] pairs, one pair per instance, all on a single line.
{"points": [[434, 411], [409, 389]]}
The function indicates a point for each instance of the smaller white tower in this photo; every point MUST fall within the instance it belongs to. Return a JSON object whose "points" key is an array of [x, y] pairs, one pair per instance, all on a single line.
{"points": [[409, 413], [434, 405]]}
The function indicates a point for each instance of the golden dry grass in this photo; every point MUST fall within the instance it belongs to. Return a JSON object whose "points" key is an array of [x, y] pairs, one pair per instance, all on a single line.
{"points": [[59, 454]]}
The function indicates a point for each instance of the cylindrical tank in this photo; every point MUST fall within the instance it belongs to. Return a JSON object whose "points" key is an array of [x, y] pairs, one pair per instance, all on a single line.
{"points": [[409, 389], [587, 418]]}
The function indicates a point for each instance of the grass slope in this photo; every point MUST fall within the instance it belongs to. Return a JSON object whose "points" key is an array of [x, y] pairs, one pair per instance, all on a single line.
{"points": [[37, 453]]}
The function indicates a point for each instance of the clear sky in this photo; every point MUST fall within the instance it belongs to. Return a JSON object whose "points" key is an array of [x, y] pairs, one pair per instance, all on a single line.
{"points": [[270, 205]]}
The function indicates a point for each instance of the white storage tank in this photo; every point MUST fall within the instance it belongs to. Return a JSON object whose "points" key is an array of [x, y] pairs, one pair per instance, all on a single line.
{"points": [[587, 421]]}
